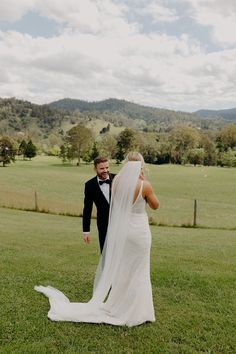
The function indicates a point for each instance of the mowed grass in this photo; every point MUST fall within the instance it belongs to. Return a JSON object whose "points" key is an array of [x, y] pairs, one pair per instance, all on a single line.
{"points": [[193, 279], [60, 189]]}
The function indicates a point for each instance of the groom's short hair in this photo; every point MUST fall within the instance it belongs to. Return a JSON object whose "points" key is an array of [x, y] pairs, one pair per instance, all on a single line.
{"points": [[99, 159]]}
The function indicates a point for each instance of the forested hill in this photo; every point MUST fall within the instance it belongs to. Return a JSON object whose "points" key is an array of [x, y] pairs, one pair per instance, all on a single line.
{"points": [[20, 116], [126, 108], [228, 114]]}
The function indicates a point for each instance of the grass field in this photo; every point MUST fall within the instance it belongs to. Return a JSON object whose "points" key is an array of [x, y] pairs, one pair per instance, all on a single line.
{"points": [[60, 189], [96, 126], [192, 272]]}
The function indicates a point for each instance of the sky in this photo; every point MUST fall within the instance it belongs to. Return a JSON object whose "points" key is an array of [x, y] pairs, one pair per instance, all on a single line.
{"points": [[171, 54]]}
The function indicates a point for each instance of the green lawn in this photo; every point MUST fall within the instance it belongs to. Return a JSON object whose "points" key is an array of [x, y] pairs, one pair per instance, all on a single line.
{"points": [[60, 189], [193, 278]]}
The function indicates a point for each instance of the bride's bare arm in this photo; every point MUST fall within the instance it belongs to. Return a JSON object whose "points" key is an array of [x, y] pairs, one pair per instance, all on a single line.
{"points": [[150, 196]]}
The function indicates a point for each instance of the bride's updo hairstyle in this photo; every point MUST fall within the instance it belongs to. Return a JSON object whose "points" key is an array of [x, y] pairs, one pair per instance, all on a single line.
{"points": [[135, 156]]}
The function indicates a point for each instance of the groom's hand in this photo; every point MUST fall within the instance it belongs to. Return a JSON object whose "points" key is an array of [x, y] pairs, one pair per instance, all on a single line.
{"points": [[86, 238]]}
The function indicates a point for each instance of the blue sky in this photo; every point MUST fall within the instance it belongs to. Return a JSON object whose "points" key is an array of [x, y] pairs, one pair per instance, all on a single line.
{"points": [[33, 24], [172, 54]]}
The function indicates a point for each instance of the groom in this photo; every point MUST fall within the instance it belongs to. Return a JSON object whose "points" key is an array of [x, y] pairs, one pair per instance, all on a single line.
{"points": [[98, 191]]}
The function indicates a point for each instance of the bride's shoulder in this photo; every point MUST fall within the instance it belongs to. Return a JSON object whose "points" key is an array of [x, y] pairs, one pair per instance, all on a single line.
{"points": [[146, 183], [147, 187]]}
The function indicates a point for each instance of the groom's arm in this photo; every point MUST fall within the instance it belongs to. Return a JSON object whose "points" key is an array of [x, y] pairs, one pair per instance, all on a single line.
{"points": [[87, 211]]}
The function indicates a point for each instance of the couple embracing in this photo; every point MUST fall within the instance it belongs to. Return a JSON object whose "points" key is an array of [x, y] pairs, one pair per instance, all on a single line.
{"points": [[122, 293]]}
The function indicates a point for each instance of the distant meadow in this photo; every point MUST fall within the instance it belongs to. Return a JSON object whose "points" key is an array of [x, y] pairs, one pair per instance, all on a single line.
{"points": [[59, 188]]}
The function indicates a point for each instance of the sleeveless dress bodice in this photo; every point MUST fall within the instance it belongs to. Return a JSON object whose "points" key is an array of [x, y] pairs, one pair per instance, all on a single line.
{"points": [[139, 206]]}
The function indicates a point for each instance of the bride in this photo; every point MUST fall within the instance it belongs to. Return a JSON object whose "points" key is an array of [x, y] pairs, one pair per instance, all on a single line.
{"points": [[122, 293]]}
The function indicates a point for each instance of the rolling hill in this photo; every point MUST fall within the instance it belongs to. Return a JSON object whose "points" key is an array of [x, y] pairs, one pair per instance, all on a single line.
{"points": [[129, 109], [227, 114], [21, 116]]}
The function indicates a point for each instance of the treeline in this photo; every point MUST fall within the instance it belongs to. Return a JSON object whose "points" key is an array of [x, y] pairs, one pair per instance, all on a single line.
{"points": [[182, 145], [10, 148], [162, 136]]}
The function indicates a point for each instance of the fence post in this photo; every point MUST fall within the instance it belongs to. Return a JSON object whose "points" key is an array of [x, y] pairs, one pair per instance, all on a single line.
{"points": [[195, 213], [36, 201]]}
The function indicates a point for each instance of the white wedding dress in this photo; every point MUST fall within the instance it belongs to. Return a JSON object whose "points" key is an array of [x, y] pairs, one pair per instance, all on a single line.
{"points": [[122, 291]]}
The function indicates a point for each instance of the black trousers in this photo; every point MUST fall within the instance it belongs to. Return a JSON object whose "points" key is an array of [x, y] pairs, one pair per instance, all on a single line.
{"points": [[102, 237]]}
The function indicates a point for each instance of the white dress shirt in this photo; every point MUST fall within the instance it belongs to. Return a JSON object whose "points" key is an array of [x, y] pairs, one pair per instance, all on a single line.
{"points": [[105, 188]]}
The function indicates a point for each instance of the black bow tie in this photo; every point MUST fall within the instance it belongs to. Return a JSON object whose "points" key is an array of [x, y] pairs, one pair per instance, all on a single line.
{"points": [[108, 181]]}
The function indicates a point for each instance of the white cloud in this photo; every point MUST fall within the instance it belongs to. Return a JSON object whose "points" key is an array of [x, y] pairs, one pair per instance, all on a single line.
{"points": [[219, 15], [11, 10], [100, 54], [158, 69], [90, 16], [159, 12]]}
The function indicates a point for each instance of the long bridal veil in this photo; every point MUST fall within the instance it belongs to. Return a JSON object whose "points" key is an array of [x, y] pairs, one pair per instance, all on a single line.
{"points": [[123, 189]]}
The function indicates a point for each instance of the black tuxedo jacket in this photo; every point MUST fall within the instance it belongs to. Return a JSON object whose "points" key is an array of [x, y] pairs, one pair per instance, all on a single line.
{"points": [[93, 194]]}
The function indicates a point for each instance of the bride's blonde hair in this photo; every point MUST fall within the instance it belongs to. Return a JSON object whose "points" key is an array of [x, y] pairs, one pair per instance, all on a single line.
{"points": [[135, 156]]}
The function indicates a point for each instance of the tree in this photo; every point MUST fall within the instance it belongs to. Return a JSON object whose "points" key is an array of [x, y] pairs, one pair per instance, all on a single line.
{"points": [[105, 129], [182, 139], [66, 153], [149, 153], [195, 156], [227, 158], [90, 153], [7, 151], [108, 146], [147, 146], [22, 148], [94, 152], [125, 142], [80, 138], [62, 153], [210, 150], [119, 154], [30, 150], [226, 139], [164, 152]]}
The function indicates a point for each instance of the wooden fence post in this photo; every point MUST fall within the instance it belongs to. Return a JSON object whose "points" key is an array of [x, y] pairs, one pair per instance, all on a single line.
{"points": [[36, 201], [195, 213]]}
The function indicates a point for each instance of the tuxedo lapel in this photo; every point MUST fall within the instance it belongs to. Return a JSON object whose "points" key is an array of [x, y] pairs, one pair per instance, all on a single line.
{"points": [[98, 190]]}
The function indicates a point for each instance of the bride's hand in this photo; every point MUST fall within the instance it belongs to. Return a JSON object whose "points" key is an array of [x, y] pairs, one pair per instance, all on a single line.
{"points": [[142, 176]]}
